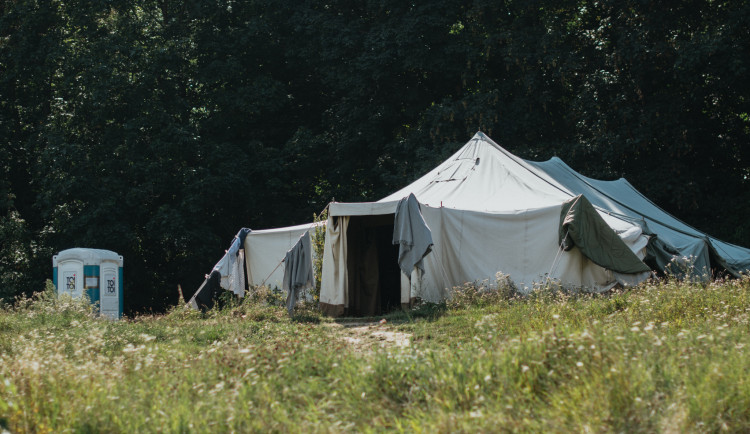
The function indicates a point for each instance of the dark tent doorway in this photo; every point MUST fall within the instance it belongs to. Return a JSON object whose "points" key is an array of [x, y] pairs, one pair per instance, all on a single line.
{"points": [[372, 263]]}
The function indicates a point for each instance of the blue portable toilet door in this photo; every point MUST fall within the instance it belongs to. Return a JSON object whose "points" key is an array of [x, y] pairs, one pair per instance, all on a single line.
{"points": [[109, 291]]}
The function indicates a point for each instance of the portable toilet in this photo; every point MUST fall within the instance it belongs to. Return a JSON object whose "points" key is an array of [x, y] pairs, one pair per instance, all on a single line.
{"points": [[97, 272]]}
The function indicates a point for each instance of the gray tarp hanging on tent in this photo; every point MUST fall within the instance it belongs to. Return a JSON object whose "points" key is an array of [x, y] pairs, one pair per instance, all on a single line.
{"points": [[583, 227], [298, 270], [411, 234], [675, 241]]}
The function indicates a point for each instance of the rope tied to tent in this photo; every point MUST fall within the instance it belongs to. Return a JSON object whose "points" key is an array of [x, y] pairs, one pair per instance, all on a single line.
{"points": [[271, 274], [282, 259], [558, 256]]}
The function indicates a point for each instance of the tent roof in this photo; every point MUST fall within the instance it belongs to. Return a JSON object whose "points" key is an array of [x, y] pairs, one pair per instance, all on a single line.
{"points": [[482, 176]]}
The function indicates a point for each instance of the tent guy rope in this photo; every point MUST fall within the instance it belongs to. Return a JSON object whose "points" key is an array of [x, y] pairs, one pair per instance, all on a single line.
{"points": [[312, 225]]}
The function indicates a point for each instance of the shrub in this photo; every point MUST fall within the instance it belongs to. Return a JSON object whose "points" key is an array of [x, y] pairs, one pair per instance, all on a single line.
{"points": [[482, 293]]}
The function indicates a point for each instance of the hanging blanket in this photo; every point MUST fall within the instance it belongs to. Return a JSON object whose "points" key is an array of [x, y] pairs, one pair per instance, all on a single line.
{"points": [[411, 234], [582, 226], [298, 270]]}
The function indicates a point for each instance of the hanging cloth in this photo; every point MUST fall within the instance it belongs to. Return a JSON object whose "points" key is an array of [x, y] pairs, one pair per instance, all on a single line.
{"points": [[298, 271], [583, 227], [412, 235]]}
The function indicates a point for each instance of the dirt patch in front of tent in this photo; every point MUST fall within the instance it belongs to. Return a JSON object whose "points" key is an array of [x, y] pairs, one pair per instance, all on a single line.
{"points": [[366, 336]]}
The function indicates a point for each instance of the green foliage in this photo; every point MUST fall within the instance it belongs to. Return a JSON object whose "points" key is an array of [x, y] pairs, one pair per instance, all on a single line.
{"points": [[481, 294], [318, 237], [16, 255]]}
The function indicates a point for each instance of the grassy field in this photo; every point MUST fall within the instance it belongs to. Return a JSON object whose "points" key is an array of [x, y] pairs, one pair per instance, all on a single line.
{"points": [[665, 357]]}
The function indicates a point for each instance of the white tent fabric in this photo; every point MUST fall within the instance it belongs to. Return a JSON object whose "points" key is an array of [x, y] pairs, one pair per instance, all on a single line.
{"points": [[512, 183], [489, 211], [265, 250], [334, 270], [260, 257], [482, 176], [475, 246]]}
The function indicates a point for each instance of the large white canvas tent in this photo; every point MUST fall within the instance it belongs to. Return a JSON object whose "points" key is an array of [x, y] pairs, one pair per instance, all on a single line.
{"points": [[490, 211]]}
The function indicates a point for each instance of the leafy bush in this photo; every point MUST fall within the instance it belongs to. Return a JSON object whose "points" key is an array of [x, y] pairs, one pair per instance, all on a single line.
{"points": [[318, 238]]}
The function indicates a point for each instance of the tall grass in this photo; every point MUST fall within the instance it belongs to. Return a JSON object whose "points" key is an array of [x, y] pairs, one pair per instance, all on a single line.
{"points": [[664, 357]]}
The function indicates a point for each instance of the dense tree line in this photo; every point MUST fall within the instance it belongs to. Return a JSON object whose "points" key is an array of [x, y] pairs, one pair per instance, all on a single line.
{"points": [[158, 128]]}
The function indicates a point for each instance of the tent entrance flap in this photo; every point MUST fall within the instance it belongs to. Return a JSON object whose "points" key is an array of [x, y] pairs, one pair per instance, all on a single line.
{"points": [[372, 263]]}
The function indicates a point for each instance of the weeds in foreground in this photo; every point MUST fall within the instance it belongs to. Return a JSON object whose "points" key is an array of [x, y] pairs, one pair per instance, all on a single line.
{"points": [[667, 356]]}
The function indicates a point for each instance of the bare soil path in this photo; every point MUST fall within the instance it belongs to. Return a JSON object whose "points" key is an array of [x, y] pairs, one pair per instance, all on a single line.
{"points": [[366, 336]]}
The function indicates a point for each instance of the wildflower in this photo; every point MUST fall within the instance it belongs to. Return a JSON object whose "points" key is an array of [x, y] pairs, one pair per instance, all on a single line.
{"points": [[487, 377], [579, 364], [524, 368]]}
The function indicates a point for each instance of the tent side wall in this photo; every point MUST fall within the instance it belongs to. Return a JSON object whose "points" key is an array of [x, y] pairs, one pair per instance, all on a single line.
{"points": [[471, 246], [265, 250]]}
